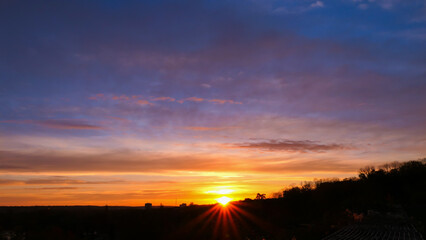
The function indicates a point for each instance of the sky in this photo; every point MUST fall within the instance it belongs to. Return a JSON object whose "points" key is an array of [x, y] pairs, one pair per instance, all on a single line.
{"points": [[169, 102]]}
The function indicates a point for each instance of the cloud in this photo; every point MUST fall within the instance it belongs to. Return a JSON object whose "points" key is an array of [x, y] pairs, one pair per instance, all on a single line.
{"points": [[322, 165], [216, 101], [72, 124], [144, 102], [53, 188], [10, 182], [112, 161], [10, 166], [317, 4], [291, 146], [122, 97], [223, 101], [363, 6], [194, 99], [55, 180], [168, 99], [384, 4], [136, 99], [60, 180], [97, 96], [194, 128], [69, 124], [387, 4], [156, 163]]}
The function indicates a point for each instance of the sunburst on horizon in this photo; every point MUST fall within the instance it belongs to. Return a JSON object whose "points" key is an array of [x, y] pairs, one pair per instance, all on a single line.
{"points": [[224, 200]]}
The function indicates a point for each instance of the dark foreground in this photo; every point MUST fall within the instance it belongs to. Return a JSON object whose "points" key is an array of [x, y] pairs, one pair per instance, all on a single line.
{"points": [[372, 232], [387, 203], [260, 219]]}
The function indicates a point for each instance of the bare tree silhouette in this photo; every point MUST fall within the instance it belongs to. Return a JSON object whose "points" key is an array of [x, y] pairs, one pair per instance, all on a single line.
{"points": [[260, 196]]}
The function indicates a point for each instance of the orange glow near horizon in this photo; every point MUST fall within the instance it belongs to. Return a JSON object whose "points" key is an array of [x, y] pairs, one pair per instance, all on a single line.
{"points": [[138, 189]]}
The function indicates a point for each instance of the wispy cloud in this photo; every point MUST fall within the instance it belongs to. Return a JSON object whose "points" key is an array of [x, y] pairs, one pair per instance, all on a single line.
{"points": [[139, 99], [97, 96], [168, 99], [384, 4], [60, 180], [69, 124], [72, 124], [197, 128], [216, 101], [134, 99], [317, 4], [223, 101], [291, 146], [146, 162], [115, 161], [122, 97], [54, 180], [53, 188], [193, 99], [144, 102]]}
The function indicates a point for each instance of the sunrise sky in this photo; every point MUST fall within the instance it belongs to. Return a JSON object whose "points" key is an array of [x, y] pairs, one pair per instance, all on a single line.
{"points": [[127, 102]]}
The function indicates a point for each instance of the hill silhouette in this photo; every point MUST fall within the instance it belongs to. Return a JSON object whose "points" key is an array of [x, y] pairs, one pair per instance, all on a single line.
{"points": [[392, 195]]}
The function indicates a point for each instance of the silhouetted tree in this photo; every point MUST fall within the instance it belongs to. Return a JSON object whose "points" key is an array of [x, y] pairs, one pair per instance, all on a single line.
{"points": [[366, 171], [260, 196]]}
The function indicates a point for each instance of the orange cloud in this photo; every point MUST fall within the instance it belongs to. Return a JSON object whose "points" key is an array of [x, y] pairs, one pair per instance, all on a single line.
{"points": [[145, 162], [216, 101], [223, 101], [144, 102], [54, 180], [97, 96], [122, 97], [195, 99], [169, 99]]}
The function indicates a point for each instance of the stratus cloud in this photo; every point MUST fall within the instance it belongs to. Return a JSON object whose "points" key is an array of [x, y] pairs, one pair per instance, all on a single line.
{"points": [[137, 99], [195, 128], [69, 124], [54, 180], [216, 101], [115, 161], [75, 124], [146, 162], [53, 188], [291, 146]]}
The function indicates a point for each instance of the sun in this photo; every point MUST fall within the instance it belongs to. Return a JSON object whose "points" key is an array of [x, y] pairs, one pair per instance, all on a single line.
{"points": [[223, 200]]}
